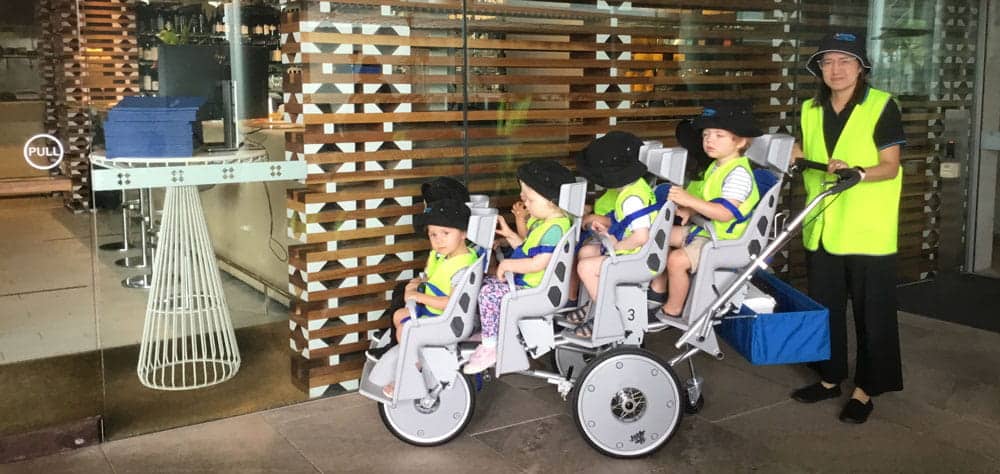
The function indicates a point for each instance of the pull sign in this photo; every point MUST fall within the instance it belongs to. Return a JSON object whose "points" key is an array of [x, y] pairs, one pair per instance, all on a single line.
{"points": [[43, 148]]}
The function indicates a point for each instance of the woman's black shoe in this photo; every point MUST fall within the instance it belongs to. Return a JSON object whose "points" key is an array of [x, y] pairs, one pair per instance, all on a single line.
{"points": [[856, 412], [815, 393]]}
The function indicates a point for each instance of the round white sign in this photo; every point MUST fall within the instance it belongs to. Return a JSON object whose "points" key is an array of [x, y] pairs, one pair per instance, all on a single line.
{"points": [[46, 149]]}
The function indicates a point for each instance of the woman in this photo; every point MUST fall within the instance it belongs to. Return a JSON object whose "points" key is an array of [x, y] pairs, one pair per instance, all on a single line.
{"points": [[851, 240]]}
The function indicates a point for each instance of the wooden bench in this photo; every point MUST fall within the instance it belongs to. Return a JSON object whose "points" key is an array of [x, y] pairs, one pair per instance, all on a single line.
{"points": [[37, 185]]}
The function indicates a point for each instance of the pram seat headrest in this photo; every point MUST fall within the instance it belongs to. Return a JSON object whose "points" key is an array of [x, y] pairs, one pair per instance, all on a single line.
{"points": [[482, 226], [572, 197], [478, 201], [644, 150], [772, 151], [667, 163]]}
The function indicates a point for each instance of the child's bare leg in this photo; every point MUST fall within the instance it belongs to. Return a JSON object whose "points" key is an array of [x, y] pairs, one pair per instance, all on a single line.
{"points": [[585, 252], [590, 274], [397, 321], [679, 280], [659, 283], [677, 236]]}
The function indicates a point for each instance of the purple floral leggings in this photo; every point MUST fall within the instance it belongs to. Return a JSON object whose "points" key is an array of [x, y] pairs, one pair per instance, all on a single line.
{"points": [[490, 295]]}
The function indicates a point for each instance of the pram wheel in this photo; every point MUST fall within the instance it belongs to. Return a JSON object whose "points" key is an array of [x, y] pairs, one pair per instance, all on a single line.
{"points": [[437, 424], [567, 360], [694, 408], [627, 403]]}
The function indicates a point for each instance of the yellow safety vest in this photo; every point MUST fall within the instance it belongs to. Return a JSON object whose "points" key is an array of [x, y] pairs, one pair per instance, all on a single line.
{"points": [[536, 231], [711, 188], [863, 220], [638, 188], [440, 270], [606, 203]]}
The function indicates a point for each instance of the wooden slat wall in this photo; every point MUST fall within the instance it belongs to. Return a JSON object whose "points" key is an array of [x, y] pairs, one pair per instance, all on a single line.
{"points": [[89, 62], [110, 53], [544, 80], [59, 20]]}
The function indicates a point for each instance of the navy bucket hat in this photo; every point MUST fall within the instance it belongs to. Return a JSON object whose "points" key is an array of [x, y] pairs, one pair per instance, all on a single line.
{"points": [[850, 43]]}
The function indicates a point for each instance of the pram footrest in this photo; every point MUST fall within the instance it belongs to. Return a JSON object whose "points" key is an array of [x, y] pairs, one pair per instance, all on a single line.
{"points": [[369, 389]]}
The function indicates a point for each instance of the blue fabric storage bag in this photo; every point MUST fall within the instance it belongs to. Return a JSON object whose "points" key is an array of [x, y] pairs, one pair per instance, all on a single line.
{"points": [[798, 331]]}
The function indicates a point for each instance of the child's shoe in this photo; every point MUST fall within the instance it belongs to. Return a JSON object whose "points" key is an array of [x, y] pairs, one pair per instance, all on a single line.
{"points": [[483, 358], [376, 353]]}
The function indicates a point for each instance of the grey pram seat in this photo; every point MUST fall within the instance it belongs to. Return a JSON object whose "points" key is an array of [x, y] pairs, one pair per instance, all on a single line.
{"points": [[424, 367], [526, 313], [619, 310], [721, 260]]}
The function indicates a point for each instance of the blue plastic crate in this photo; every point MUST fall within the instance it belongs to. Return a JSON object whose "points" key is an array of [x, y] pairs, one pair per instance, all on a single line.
{"points": [[149, 139], [151, 151], [149, 127], [156, 109], [798, 331], [180, 130]]}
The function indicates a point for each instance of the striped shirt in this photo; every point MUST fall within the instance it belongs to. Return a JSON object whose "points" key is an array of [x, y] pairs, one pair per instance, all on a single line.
{"points": [[737, 185]]}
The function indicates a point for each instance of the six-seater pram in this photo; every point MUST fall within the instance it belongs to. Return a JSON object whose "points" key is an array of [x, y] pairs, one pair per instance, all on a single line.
{"points": [[626, 401]]}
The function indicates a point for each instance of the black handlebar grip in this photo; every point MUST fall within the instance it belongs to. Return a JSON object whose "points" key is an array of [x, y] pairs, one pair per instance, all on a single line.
{"points": [[848, 177]]}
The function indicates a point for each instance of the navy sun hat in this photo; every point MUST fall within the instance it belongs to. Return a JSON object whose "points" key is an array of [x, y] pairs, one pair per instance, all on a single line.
{"points": [[612, 161], [444, 187], [850, 43], [734, 115], [445, 213], [546, 177]]}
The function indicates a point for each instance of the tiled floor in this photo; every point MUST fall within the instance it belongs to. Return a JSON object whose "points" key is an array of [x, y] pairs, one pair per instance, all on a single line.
{"points": [[48, 256], [947, 420]]}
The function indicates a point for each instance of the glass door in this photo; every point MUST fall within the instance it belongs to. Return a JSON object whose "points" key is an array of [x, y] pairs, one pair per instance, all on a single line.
{"points": [[194, 317], [984, 245], [51, 378]]}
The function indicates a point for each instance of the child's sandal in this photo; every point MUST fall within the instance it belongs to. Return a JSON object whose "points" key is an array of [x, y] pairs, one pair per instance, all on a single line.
{"points": [[584, 330], [578, 316], [659, 315]]}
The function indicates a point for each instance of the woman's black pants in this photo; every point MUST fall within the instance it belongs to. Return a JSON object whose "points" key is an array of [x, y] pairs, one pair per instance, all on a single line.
{"points": [[870, 282]]}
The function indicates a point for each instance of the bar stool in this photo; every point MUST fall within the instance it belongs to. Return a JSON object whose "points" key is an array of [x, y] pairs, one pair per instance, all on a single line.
{"points": [[145, 259], [123, 245]]}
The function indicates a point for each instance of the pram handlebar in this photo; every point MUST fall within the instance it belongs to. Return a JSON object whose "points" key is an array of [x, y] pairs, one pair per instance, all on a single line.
{"points": [[803, 164], [847, 177]]}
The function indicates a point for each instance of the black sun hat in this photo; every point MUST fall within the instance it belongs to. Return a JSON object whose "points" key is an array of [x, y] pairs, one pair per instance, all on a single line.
{"points": [[612, 161], [445, 213], [545, 177], [851, 43], [690, 139], [444, 187], [732, 115]]}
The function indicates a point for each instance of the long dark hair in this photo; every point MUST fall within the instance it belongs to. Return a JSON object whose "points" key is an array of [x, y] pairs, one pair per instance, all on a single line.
{"points": [[823, 91]]}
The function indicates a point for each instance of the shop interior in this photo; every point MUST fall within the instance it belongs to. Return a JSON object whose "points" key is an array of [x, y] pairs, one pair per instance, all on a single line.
{"points": [[74, 285]]}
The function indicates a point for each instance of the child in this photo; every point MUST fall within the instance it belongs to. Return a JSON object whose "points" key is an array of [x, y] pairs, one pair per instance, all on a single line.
{"points": [[612, 161], [436, 189], [726, 195], [540, 183], [445, 222]]}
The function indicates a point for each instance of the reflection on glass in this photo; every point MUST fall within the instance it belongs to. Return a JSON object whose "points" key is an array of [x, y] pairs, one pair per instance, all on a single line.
{"points": [[902, 45]]}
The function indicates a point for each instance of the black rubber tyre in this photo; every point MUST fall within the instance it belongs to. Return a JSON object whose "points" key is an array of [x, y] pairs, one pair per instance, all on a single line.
{"points": [[406, 419]]}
